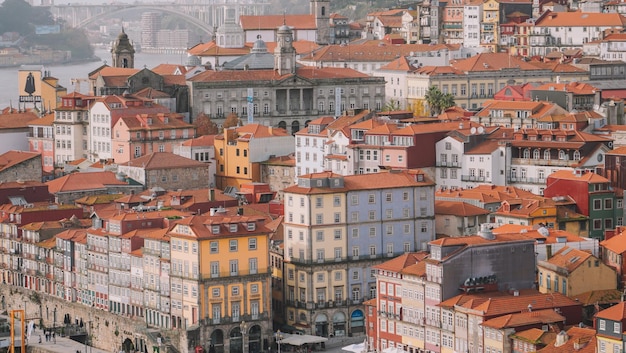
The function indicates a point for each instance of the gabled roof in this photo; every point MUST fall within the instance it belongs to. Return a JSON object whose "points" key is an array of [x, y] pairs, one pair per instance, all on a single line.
{"points": [[200, 141], [546, 316], [374, 51], [459, 209], [605, 296], [615, 313], [587, 177], [615, 244], [580, 340], [580, 19], [568, 259], [163, 160], [16, 120], [83, 181], [401, 262], [491, 62], [534, 336], [10, 159]]}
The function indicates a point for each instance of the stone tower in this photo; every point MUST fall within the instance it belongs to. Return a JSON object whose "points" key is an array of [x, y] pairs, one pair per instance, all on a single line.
{"points": [[123, 52], [321, 10], [284, 53]]}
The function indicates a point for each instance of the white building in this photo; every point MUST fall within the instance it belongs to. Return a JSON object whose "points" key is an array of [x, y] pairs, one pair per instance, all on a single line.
{"points": [[556, 31], [472, 16], [613, 47], [71, 124]]}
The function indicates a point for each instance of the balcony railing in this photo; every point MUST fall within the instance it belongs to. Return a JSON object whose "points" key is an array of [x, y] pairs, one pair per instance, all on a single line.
{"points": [[472, 178]]}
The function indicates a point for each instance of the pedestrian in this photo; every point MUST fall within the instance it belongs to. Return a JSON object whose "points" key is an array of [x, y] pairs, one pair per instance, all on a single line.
{"points": [[39, 339]]}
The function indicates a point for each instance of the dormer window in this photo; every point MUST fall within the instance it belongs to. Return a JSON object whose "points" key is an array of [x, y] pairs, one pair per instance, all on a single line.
{"points": [[215, 229], [251, 226], [233, 227]]}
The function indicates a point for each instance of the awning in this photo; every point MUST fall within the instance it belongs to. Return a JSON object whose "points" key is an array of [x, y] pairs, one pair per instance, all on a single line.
{"points": [[355, 348], [298, 340]]}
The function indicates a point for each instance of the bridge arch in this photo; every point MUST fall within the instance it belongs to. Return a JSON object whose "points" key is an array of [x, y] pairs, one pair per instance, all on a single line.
{"points": [[194, 21]]}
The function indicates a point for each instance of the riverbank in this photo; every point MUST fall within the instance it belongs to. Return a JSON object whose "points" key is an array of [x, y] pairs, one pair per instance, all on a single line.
{"points": [[62, 58]]}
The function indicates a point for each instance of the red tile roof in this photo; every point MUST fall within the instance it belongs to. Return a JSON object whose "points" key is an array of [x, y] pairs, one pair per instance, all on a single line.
{"points": [[580, 19], [546, 316], [491, 62], [392, 179], [163, 160], [568, 259], [458, 208], [377, 51], [587, 177], [616, 244], [83, 181], [580, 340], [10, 159], [401, 262]]}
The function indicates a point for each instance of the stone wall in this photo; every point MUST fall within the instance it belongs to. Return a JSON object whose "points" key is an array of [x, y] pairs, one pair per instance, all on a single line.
{"points": [[107, 331], [29, 169]]}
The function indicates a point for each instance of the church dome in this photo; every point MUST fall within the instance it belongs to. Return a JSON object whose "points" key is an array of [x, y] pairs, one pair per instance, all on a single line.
{"points": [[259, 46], [193, 60]]}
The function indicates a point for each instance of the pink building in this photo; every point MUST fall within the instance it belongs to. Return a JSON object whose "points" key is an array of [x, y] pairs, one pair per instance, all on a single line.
{"points": [[41, 140], [142, 134]]}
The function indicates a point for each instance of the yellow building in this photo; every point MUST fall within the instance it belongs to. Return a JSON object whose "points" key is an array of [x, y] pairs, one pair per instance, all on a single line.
{"points": [[489, 27], [240, 151], [220, 280], [571, 272]]}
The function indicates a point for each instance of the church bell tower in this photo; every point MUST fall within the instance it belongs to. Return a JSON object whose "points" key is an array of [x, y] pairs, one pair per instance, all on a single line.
{"points": [[321, 10], [284, 53], [123, 52]]}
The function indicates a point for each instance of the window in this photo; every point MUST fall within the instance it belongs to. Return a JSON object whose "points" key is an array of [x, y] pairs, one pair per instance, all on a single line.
{"points": [[213, 247], [371, 198], [232, 244], [597, 204], [252, 244], [608, 204]]}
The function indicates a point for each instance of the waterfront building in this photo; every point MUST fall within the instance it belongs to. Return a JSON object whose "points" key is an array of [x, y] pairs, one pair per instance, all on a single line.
{"points": [[336, 228], [220, 280]]}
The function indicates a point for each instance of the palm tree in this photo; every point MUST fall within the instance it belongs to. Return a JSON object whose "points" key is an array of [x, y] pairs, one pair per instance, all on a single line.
{"points": [[438, 101]]}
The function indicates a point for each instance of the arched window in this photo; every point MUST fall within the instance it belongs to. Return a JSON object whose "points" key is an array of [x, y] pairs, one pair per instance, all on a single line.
{"points": [[576, 155], [536, 153], [546, 154], [527, 153], [562, 155]]}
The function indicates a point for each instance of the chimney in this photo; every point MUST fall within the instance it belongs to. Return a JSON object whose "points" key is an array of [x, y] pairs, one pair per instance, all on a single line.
{"points": [[211, 194]]}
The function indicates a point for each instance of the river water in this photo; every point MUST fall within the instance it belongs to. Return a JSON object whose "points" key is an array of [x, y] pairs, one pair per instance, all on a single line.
{"points": [[8, 76]]}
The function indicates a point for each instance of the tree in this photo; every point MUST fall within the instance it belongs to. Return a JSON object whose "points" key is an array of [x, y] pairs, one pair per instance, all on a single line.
{"points": [[391, 105], [231, 120], [204, 125], [438, 101]]}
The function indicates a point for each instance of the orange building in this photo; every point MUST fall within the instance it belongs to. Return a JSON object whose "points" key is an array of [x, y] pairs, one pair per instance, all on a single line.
{"points": [[240, 151]]}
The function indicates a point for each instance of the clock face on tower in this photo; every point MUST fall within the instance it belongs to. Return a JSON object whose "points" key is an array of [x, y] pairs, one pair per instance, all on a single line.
{"points": [[287, 39]]}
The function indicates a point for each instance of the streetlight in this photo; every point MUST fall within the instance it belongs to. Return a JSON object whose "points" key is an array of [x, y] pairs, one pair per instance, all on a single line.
{"points": [[279, 339], [244, 330]]}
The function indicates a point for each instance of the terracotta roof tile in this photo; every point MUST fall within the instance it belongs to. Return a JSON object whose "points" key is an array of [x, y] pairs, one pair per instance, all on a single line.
{"points": [[606, 296], [535, 336], [546, 316], [580, 340], [616, 244], [457, 208], [399, 263], [163, 160], [378, 51], [296, 22], [12, 158], [580, 19], [83, 181], [491, 62], [588, 177], [566, 258]]}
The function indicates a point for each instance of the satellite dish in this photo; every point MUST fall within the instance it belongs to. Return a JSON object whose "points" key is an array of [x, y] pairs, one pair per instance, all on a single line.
{"points": [[473, 130], [481, 129]]}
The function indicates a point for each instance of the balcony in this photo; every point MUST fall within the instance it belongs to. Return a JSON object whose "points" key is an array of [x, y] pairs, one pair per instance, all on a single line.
{"points": [[526, 180], [472, 178], [543, 162]]}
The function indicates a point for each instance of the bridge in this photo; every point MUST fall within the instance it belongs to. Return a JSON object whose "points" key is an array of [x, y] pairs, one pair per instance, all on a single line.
{"points": [[206, 16]]}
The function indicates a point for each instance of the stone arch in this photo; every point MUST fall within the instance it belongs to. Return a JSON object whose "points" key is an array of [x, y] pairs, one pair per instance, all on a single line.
{"points": [[357, 321], [254, 339], [339, 324], [217, 341], [282, 124], [295, 126], [128, 346], [235, 340], [321, 325]]}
